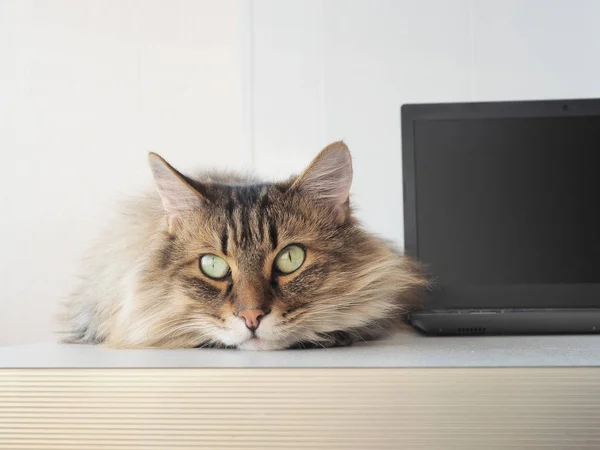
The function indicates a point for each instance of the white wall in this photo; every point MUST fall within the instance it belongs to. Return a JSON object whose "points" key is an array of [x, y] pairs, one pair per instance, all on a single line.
{"points": [[330, 69], [87, 88]]}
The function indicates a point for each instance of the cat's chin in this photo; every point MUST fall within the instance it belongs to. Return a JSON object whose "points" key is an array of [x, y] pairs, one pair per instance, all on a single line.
{"points": [[257, 344]]}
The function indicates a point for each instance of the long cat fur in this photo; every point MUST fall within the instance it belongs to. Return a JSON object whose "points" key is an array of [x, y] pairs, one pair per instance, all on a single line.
{"points": [[141, 285]]}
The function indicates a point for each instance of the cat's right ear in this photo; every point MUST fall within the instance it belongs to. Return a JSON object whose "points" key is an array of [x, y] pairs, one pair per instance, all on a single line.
{"points": [[177, 195], [328, 178]]}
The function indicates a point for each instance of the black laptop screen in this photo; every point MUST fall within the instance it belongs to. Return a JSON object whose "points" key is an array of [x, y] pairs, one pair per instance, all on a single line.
{"points": [[509, 201]]}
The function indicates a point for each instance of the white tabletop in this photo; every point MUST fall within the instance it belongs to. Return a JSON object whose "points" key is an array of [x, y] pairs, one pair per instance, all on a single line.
{"points": [[403, 350]]}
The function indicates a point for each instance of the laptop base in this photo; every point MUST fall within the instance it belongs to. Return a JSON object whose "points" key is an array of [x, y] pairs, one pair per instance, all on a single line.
{"points": [[506, 321]]}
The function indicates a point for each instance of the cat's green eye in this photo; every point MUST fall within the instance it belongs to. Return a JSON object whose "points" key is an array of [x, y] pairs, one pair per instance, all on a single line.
{"points": [[214, 266], [290, 259]]}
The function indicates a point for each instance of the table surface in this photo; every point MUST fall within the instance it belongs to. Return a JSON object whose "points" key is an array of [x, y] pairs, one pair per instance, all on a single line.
{"points": [[402, 350]]}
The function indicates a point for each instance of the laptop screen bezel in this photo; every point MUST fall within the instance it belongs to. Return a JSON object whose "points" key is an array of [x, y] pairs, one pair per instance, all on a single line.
{"points": [[522, 296]]}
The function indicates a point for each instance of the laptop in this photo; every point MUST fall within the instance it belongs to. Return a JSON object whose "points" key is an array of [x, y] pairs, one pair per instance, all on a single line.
{"points": [[502, 206]]}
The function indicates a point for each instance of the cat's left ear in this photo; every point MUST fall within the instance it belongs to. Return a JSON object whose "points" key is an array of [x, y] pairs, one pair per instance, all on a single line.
{"points": [[177, 195], [329, 178]]}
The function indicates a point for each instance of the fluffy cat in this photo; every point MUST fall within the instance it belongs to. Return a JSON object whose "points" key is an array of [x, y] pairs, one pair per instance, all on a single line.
{"points": [[222, 260]]}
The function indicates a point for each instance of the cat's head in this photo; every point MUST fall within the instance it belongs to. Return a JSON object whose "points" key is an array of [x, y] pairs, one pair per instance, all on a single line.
{"points": [[268, 265]]}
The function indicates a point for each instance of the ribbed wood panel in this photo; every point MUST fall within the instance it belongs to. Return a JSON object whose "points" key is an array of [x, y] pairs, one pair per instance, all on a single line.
{"points": [[300, 408]]}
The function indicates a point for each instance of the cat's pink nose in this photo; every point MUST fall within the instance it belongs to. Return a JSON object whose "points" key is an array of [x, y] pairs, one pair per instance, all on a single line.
{"points": [[252, 317]]}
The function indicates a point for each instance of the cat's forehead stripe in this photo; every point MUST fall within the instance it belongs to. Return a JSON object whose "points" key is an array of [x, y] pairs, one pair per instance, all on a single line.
{"points": [[262, 211], [224, 241], [248, 215], [273, 234]]}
